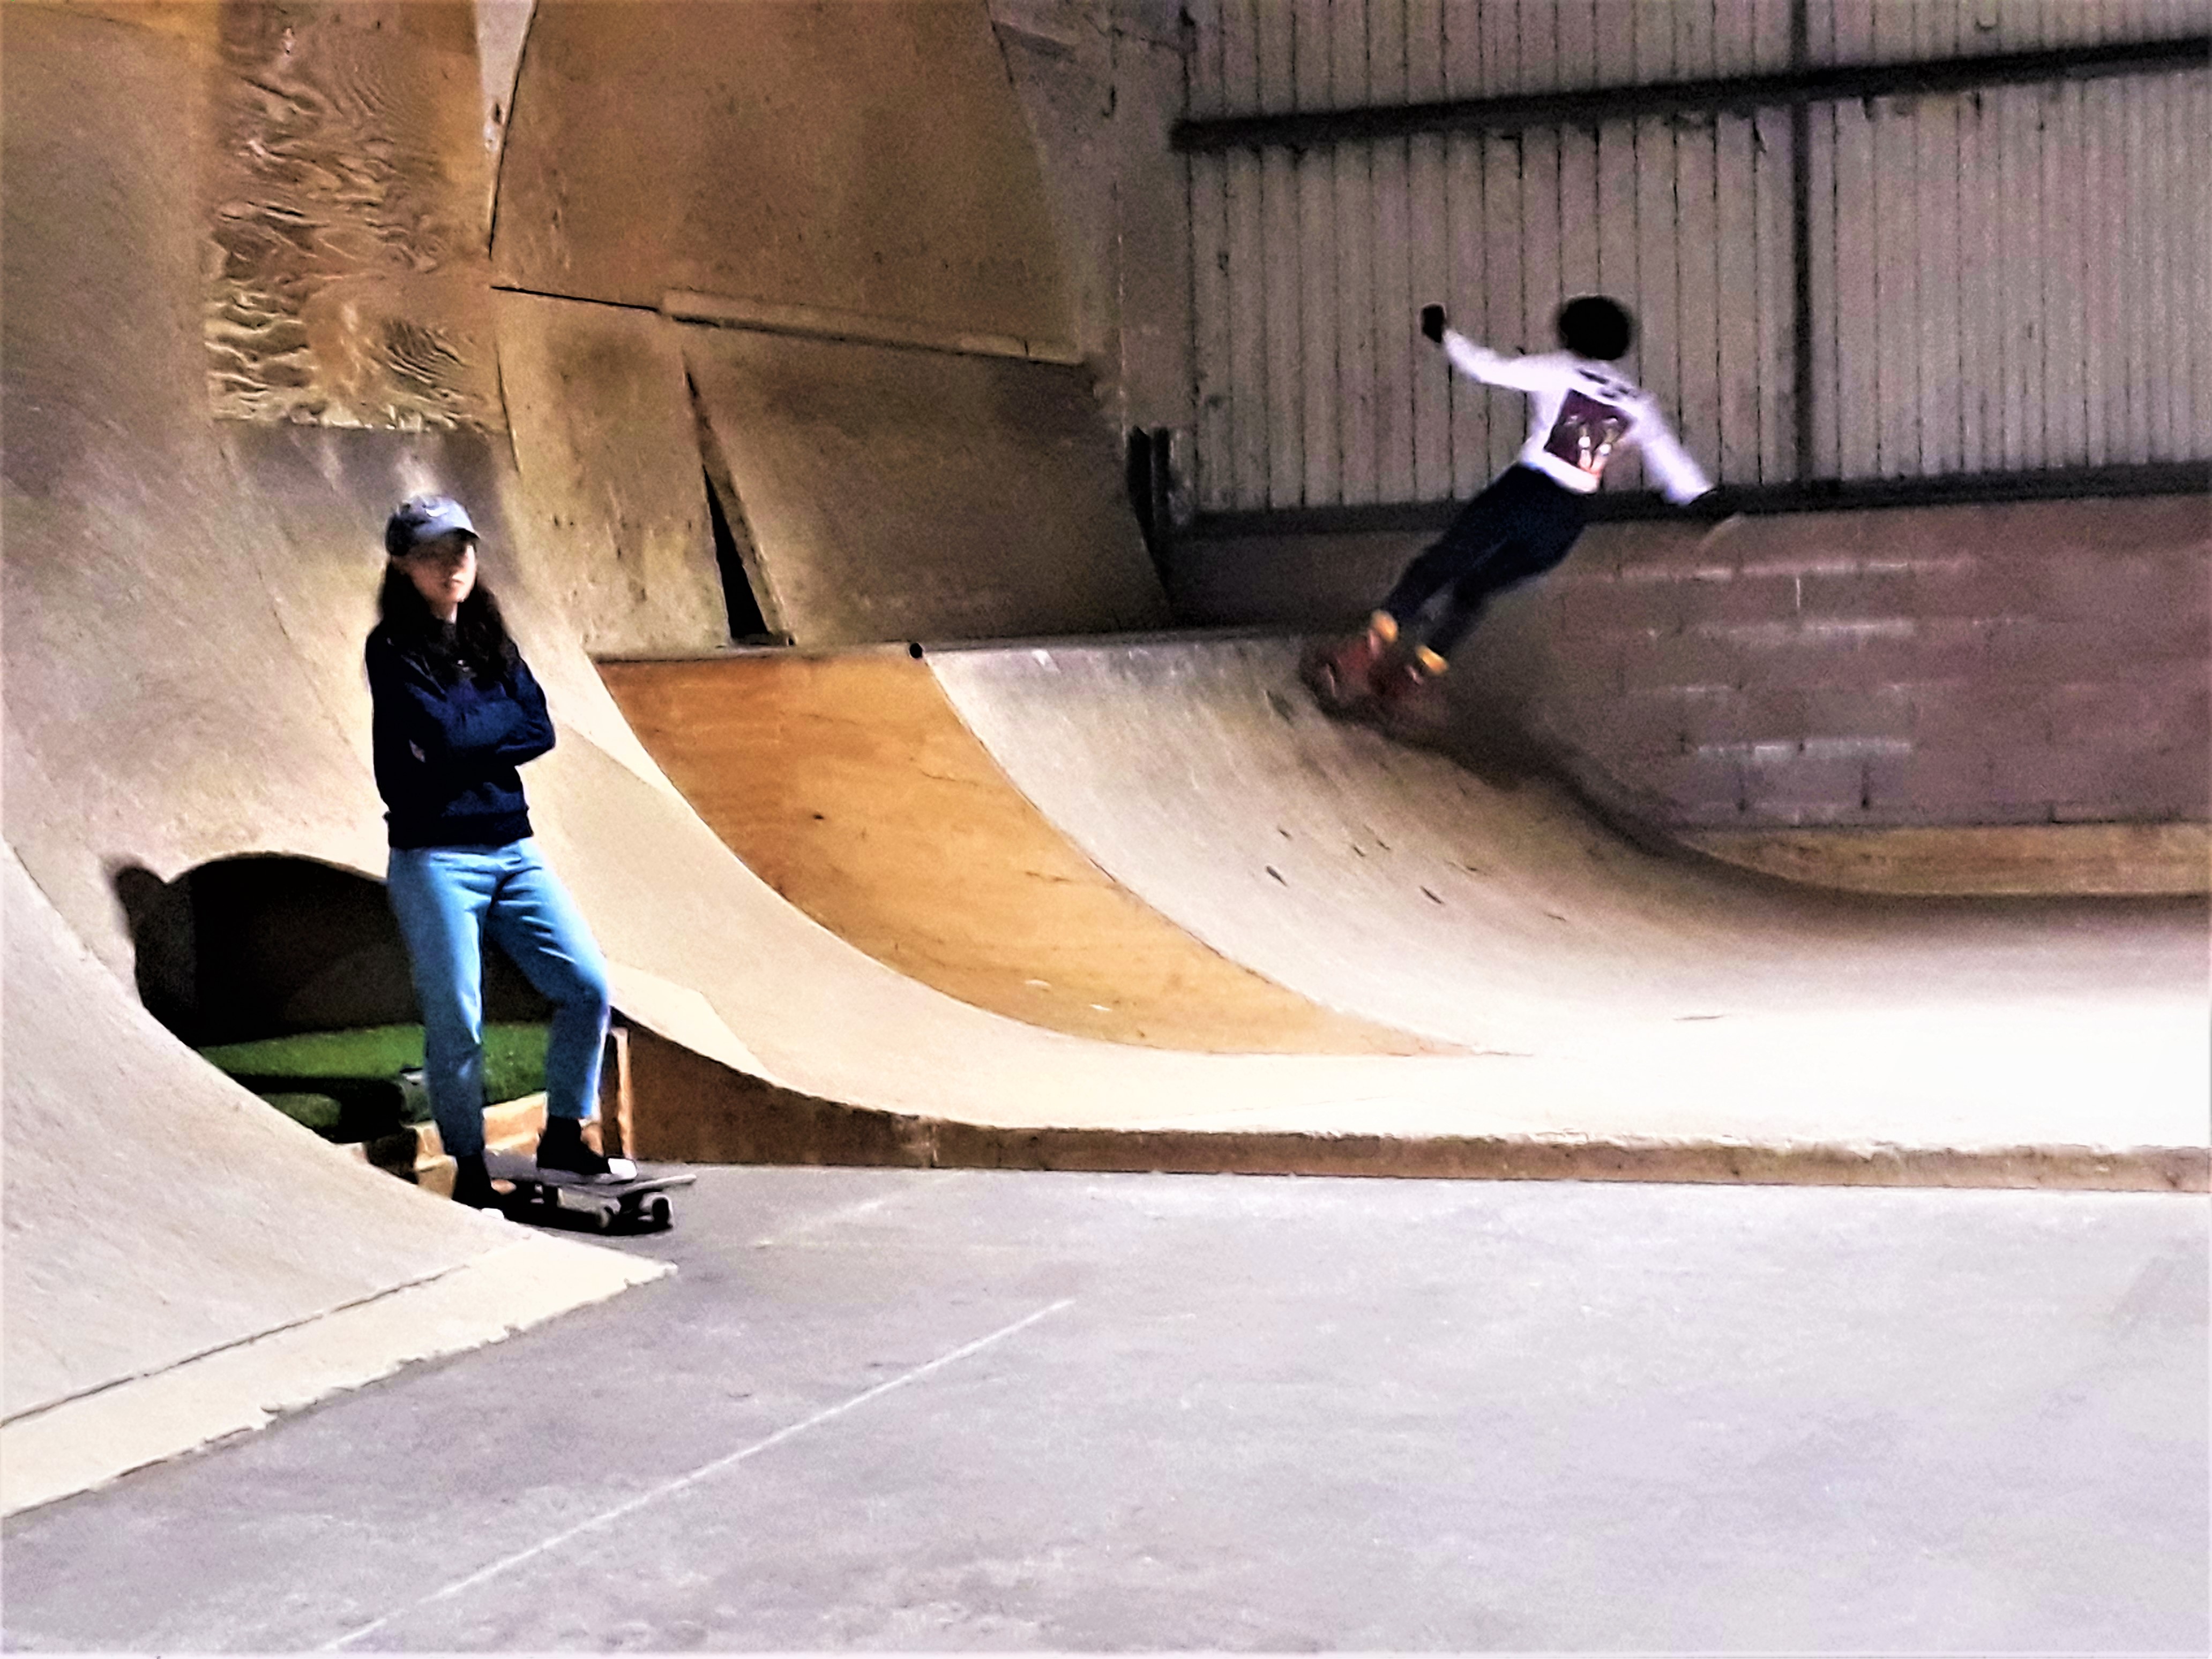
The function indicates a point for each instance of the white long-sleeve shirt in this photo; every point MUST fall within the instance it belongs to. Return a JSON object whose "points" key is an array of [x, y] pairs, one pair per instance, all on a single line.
{"points": [[1581, 414]]}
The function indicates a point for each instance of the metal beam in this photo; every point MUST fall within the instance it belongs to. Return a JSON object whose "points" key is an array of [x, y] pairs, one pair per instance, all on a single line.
{"points": [[1737, 94], [1815, 496]]}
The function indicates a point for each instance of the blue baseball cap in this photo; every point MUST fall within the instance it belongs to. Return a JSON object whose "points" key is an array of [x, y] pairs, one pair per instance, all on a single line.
{"points": [[422, 518]]}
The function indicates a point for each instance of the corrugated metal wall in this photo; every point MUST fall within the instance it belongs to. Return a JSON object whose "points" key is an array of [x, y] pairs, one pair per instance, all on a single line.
{"points": [[2016, 279]]}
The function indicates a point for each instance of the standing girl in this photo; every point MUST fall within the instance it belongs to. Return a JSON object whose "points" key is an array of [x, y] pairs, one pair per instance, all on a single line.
{"points": [[456, 712]]}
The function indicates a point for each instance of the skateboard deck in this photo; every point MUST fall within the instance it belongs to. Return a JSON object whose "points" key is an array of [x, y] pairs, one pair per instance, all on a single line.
{"points": [[637, 1203]]}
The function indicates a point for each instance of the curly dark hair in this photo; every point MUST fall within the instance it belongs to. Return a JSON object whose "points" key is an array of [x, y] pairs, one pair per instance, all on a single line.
{"points": [[480, 641]]}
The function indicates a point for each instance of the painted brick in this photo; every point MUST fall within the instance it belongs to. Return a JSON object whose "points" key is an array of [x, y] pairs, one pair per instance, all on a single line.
{"points": [[1797, 782], [1939, 784], [1642, 725], [2140, 587], [1971, 588], [2051, 775], [1932, 650], [1709, 787], [1603, 605], [1736, 598], [1656, 659], [1866, 594], [1985, 715], [2156, 713]]}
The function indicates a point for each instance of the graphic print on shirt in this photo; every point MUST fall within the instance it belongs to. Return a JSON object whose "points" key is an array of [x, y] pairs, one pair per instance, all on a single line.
{"points": [[1587, 433]]}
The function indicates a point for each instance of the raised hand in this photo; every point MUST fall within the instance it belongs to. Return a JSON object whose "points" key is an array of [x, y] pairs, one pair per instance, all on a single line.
{"points": [[1432, 323]]}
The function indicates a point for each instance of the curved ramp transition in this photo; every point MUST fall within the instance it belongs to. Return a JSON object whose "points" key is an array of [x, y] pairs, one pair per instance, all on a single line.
{"points": [[849, 785]]}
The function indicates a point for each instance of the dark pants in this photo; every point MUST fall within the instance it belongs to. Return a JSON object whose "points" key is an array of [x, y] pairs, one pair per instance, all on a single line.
{"points": [[1521, 526]]}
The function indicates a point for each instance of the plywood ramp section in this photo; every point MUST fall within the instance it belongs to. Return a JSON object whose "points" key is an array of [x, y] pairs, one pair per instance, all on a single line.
{"points": [[888, 494], [849, 785], [1399, 885]]}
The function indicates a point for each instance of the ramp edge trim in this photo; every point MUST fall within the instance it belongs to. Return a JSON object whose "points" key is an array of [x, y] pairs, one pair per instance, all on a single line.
{"points": [[59, 1450]]}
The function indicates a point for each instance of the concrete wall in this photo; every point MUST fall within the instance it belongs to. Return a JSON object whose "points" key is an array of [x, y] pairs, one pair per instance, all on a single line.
{"points": [[2016, 664]]}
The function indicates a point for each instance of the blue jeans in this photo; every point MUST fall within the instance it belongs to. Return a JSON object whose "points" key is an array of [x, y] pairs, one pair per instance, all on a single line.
{"points": [[447, 899]]}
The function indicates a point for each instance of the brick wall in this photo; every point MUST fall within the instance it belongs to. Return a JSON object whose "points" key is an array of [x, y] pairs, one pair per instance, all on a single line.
{"points": [[2022, 663]]}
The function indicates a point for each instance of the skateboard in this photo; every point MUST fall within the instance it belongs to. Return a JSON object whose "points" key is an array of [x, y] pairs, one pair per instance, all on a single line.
{"points": [[1323, 666], [637, 1203], [1327, 666]]}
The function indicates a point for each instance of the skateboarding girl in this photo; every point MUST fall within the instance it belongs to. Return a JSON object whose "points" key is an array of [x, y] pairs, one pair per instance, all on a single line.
{"points": [[1581, 413], [457, 711]]}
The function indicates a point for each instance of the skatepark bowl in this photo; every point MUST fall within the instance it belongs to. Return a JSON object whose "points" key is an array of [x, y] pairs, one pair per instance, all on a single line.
{"points": [[1173, 1170]]}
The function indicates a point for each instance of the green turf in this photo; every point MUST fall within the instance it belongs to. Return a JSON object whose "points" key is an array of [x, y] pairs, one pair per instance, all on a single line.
{"points": [[514, 1056]]}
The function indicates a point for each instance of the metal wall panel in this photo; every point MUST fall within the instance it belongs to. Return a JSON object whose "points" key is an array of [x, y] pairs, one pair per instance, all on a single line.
{"points": [[2008, 280]]}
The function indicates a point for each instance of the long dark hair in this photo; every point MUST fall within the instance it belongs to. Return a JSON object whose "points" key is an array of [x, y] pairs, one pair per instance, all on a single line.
{"points": [[480, 639]]}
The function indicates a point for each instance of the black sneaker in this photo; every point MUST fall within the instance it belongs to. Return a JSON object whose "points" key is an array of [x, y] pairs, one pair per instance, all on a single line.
{"points": [[471, 1185], [561, 1148]]}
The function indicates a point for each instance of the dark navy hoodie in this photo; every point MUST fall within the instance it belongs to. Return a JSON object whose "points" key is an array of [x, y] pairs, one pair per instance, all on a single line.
{"points": [[446, 753]]}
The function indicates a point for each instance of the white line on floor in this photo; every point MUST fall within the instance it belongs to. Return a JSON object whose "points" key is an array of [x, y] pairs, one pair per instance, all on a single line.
{"points": [[700, 1474]]}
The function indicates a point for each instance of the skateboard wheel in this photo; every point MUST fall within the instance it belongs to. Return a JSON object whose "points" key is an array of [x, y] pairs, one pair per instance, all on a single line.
{"points": [[656, 1213]]}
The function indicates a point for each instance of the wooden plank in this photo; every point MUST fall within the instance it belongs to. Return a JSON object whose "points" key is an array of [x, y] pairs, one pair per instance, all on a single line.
{"points": [[1981, 322], [1394, 333], [1501, 46], [1202, 63], [1319, 441], [1853, 32], [1937, 134], [1428, 261], [2200, 227], [2065, 427], [1212, 390], [1499, 324], [2152, 197], [1897, 258], [1736, 36], [2185, 342], [1697, 303], [1656, 359], [2139, 303], [1542, 280], [1470, 409], [2104, 284], [1577, 43], [1775, 366], [1737, 318], [1503, 313], [1612, 42], [1857, 261], [2026, 409], [1210, 346], [1353, 167], [1280, 273], [1820, 30], [1770, 30], [1580, 204], [1246, 240], [1696, 51], [1829, 302]]}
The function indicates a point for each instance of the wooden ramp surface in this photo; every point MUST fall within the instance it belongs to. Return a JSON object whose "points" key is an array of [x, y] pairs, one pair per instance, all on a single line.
{"points": [[849, 785]]}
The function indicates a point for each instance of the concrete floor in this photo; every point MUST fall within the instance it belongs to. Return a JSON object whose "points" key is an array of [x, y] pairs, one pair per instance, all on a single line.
{"points": [[919, 1409]]}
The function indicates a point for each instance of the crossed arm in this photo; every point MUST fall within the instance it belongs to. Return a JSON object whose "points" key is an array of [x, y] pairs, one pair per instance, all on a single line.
{"points": [[470, 738]]}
